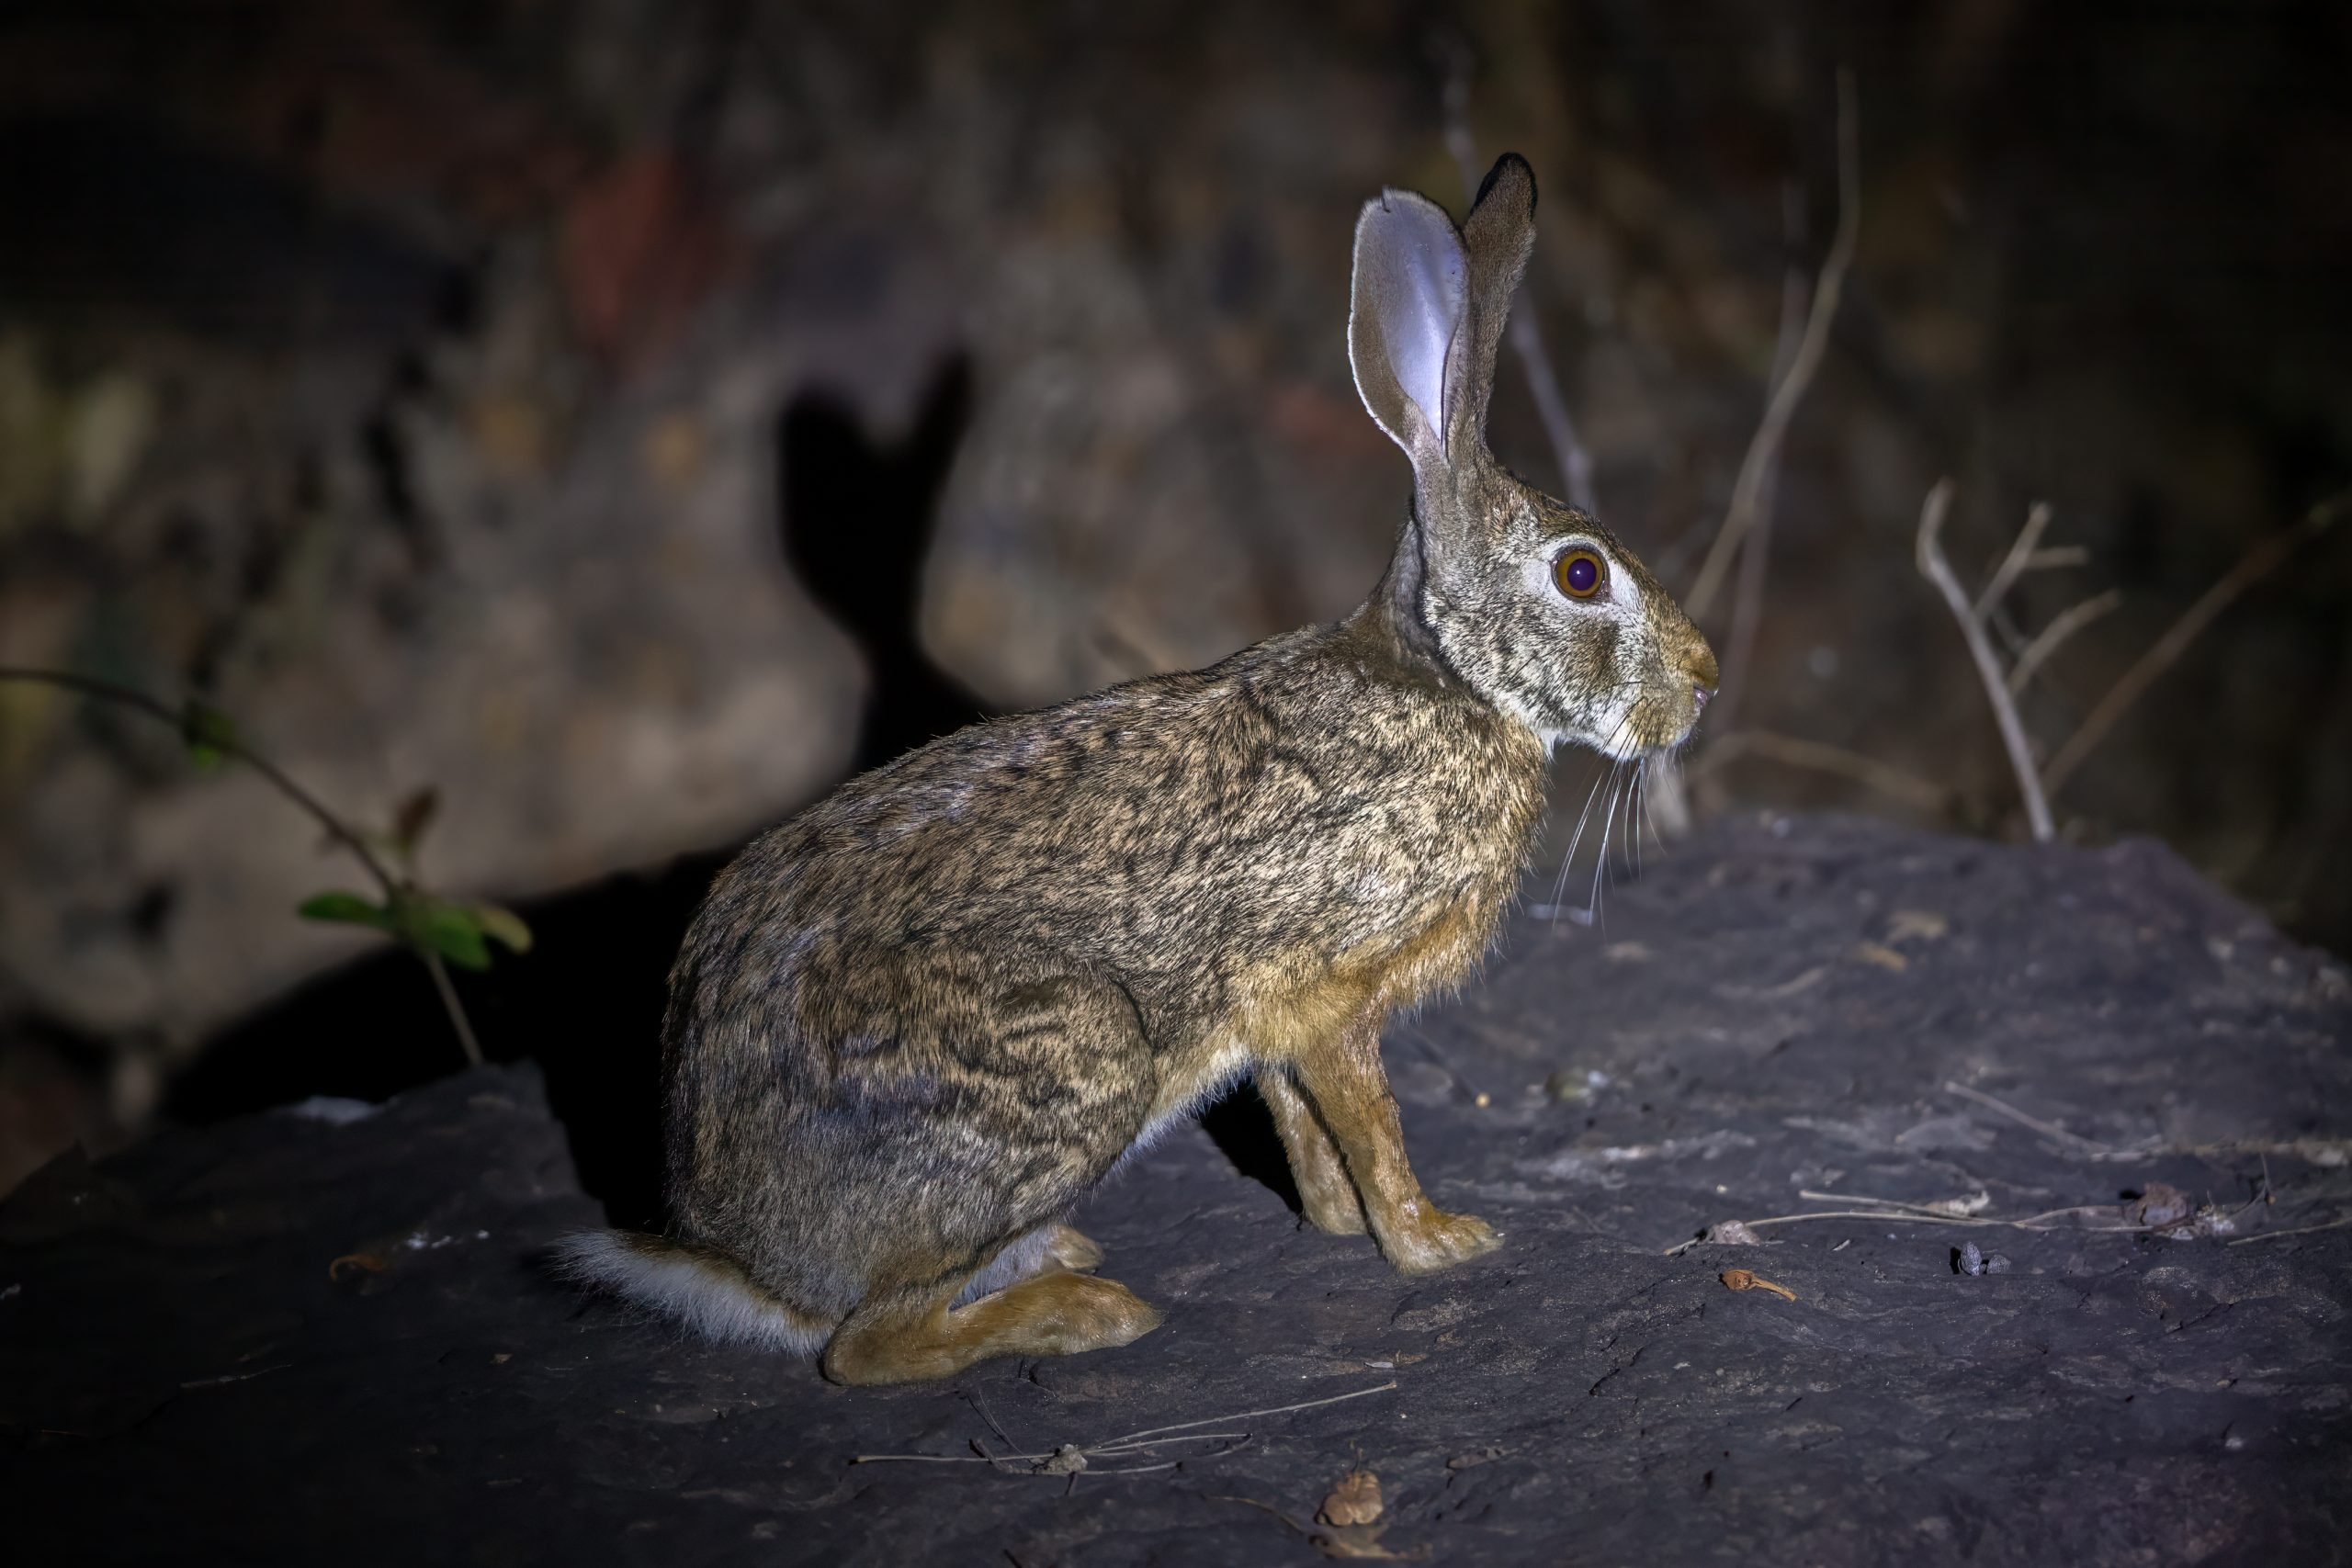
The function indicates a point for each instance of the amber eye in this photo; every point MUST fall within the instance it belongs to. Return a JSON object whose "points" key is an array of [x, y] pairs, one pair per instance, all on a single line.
{"points": [[1579, 573]]}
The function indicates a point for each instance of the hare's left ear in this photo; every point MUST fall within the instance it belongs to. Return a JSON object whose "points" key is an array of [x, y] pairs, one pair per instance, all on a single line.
{"points": [[1498, 237], [1427, 308], [1408, 303]]}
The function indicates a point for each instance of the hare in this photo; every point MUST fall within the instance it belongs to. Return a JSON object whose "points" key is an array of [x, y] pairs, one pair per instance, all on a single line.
{"points": [[913, 1026]]}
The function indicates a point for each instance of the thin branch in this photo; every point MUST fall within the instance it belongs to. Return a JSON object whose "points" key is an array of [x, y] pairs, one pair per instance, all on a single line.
{"points": [[2069, 620], [447, 991], [1821, 757], [134, 698], [1754, 560], [1764, 451], [337, 830], [1910, 1217], [1177, 1432], [1937, 571], [1891, 1208], [1932, 1212], [2256, 564], [1246, 1415], [2334, 1225], [2047, 1129], [2013, 565], [1526, 334]]}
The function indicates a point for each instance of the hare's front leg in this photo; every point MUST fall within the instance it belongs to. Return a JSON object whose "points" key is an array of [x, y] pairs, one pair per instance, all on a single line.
{"points": [[1326, 1196], [1343, 1078]]}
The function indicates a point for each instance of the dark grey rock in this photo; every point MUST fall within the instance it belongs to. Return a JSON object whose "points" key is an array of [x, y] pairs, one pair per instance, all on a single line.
{"points": [[285, 1340]]}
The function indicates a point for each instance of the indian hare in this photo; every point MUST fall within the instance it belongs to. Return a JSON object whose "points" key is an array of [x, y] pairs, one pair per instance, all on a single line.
{"points": [[912, 1027]]}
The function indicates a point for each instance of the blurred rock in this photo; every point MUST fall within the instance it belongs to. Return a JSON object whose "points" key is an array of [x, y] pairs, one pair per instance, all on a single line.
{"points": [[413, 391]]}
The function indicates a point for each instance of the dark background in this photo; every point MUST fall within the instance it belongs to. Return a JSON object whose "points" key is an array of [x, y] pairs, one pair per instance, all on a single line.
{"points": [[630, 418]]}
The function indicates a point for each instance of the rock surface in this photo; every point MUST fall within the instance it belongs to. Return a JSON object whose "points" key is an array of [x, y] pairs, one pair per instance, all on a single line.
{"points": [[291, 1338]]}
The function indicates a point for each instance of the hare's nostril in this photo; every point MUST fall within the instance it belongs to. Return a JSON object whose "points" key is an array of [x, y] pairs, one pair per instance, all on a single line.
{"points": [[1701, 695]]}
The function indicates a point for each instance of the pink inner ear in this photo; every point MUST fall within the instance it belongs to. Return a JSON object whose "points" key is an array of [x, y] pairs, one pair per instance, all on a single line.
{"points": [[1421, 311]]}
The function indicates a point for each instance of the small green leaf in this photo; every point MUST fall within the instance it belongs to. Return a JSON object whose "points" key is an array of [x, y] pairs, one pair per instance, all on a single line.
{"points": [[207, 733], [347, 909], [437, 925], [503, 926]]}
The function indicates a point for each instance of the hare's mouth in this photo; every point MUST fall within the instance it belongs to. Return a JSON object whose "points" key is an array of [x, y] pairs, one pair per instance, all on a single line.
{"points": [[1654, 723]]}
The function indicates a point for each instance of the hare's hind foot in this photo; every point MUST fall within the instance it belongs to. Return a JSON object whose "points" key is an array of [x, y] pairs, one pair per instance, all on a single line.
{"points": [[1047, 1315]]}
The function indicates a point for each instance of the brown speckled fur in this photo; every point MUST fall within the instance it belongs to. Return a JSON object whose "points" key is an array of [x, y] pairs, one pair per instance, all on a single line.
{"points": [[916, 1024]]}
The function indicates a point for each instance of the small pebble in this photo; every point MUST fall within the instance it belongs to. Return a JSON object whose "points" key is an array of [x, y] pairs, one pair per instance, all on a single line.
{"points": [[1967, 1260]]}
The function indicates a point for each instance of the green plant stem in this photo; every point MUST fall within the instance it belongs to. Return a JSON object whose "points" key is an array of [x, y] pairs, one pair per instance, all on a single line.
{"points": [[448, 990], [335, 827]]}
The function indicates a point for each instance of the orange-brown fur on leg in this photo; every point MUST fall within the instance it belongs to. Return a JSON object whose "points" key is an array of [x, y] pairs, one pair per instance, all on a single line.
{"points": [[1350, 1092], [904, 1336], [1325, 1194]]}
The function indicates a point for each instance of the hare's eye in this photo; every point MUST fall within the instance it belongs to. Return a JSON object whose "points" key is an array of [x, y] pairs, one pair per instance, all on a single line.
{"points": [[1579, 573]]}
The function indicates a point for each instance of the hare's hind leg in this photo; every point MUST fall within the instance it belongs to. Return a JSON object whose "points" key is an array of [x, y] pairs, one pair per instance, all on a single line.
{"points": [[913, 1334], [1326, 1196], [1054, 1079]]}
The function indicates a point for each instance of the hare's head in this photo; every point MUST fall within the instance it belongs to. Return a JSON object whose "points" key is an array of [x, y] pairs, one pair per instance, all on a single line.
{"points": [[1532, 602]]}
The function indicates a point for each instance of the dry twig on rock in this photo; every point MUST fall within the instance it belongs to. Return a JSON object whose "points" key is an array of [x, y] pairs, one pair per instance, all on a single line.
{"points": [[1937, 569], [1071, 1458]]}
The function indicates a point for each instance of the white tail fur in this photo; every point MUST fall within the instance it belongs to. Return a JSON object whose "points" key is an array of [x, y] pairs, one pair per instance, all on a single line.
{"points": [[707, 1292]]}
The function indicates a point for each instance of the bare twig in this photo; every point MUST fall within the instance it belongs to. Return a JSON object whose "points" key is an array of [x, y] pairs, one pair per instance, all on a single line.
{"points": [[2256, 564], [2013, 565], [1754, 560], [1387, 1387], [2069, 620], [1937, 571], [1133, 1442], [1911, 1216], [2047, 1129], [1936, 1212], [1764, 450], [1526, 334], [2334, 1225], [1889, 1209], [1821, 757]]}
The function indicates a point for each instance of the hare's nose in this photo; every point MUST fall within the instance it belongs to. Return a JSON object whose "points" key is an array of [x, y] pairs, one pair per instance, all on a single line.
{"points": [[1700, 696]]}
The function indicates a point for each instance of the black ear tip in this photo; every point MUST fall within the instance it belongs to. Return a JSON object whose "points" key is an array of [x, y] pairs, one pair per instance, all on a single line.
{"points": [[1509, 163]]}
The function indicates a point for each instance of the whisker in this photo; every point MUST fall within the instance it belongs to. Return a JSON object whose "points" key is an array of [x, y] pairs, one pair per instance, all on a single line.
{"points": [[1648, 816], [1611, 802], [1641, 774], [1601, 861], [1560, 881]]}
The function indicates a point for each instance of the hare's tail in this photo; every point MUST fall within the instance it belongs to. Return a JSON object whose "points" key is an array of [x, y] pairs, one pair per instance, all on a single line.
{"points": [[703, 1288]]}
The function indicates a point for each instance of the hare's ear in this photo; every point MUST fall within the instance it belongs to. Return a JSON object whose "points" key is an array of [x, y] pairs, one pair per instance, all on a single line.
{"points": [[1499, 236], [1407, 309]]}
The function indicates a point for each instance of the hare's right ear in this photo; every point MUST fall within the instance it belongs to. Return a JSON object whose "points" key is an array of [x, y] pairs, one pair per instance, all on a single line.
{"points": [[1407, 317]]}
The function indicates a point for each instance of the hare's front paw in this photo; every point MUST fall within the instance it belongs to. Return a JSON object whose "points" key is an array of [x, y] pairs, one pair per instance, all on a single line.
{"points": [[1435, 1239]]}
